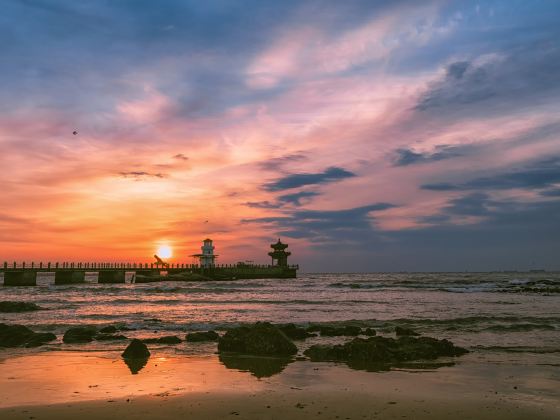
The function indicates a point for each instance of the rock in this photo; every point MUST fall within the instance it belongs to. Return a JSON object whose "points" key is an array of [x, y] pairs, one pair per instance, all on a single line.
{"points": [[294, 332], [38, 339], [202, 336], [108, 337], [261, 338], [108, 330], [9, 306], [331, 331], [136, 350], [402, 331], [20, 335], [370, 332], [79, 335], [169, 339], [362, 352]]}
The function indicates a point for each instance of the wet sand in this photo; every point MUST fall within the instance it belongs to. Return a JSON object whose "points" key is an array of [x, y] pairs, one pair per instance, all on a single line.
{"points": [[70, 385], [283, 405]]}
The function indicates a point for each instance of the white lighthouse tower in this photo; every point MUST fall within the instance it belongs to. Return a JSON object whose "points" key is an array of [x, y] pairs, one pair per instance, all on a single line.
{"points": [[207, 258]]}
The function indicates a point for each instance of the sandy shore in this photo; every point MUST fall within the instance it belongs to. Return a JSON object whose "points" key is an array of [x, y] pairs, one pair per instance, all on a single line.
{"points": [[77, 385], [282, 405]]}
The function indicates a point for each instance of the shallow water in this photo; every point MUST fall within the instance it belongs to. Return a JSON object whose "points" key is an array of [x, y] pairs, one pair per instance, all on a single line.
{"points": [[487, 312]]}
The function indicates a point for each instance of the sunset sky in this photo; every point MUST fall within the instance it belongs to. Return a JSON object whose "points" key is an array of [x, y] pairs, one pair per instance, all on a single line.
{"points": [[369, 135]]}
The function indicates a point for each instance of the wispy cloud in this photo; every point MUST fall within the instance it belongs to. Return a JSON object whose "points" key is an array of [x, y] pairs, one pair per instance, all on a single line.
{"points": [[288, 182], [404, 157], [537, 175], [140, 175], [181, 156]]}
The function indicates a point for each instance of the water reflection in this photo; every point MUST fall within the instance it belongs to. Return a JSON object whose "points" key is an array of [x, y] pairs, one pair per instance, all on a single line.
{"points": [[136, 365], [259, 366], [409, 366]]}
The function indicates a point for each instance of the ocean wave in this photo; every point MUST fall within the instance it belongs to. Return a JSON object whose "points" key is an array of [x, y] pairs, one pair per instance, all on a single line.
{"points": [[518, 349], [519, 327]]}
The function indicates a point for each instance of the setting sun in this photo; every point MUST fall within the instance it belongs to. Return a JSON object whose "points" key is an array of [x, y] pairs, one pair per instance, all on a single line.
{"points": [[164, 251]]}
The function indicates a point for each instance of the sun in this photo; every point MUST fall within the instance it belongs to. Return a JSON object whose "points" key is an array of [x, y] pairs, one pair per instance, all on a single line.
{"points": [[164, 251]]}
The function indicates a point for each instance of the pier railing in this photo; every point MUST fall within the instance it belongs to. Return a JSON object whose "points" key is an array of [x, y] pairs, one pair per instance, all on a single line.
{"points": [[101, 266]]}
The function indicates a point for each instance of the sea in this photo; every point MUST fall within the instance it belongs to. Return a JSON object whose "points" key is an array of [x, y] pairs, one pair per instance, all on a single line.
{"points": [[515, 313]]}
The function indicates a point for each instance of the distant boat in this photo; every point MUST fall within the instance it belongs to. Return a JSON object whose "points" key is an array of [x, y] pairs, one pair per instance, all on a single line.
{"points": [[537, 271]]}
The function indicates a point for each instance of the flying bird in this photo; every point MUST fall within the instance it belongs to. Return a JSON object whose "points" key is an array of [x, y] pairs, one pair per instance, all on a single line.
{"points": [[74, 132]]}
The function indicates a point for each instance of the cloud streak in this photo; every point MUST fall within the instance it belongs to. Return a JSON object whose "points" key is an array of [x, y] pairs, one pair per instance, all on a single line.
{"points": [[332, 174]]}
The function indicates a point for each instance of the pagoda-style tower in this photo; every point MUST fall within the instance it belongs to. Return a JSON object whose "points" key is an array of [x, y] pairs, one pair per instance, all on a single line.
{"points": [[279, 254], [207, 258]]}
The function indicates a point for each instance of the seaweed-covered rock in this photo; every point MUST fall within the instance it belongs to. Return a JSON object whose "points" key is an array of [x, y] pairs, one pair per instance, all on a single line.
{"points": [[79, 335], [261, 338], [331, 331], [383, 350], [402, 332], [370, 332], [136, 350], [202, 336], [20, 335], [9, 306], [38, 339], [110, 329], [294, 332], [168, 339]]}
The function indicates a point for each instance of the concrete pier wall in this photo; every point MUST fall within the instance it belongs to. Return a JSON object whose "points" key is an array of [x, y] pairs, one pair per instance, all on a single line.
{"points": [[117, 276], [20, 278], [69, 277]]}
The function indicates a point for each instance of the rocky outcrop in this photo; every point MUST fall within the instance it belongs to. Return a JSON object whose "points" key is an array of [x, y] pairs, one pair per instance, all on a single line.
{"points": [[136, 356], [362, 352], [202, 336], [108, 330], [136, 350], [79, 335], [261, 338], [370, 332], [332, 331], [9, 306], [20, 335], [403, 332], [294, 332], [168, 339]]}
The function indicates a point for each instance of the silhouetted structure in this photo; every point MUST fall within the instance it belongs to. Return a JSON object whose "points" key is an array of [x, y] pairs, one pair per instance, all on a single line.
{"points": [[75, 272], [207, 258], [279, 254]]}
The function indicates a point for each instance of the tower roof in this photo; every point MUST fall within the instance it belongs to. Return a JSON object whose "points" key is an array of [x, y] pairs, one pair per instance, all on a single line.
{"points": [[279, 245]]}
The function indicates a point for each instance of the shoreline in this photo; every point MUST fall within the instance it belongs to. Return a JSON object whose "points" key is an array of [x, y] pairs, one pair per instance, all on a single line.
{"points": [[65, 384], [282, 405]]}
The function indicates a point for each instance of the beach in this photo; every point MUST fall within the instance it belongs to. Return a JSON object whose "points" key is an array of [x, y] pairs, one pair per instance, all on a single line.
{"points": [[508, 323], [72, 385]]}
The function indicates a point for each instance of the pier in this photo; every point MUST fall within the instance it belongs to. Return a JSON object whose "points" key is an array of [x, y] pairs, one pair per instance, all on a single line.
{"points": [[22, 274]]}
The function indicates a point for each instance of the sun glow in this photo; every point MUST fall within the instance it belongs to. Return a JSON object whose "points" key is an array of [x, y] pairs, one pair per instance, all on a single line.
{"points": [[164, 251]]}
